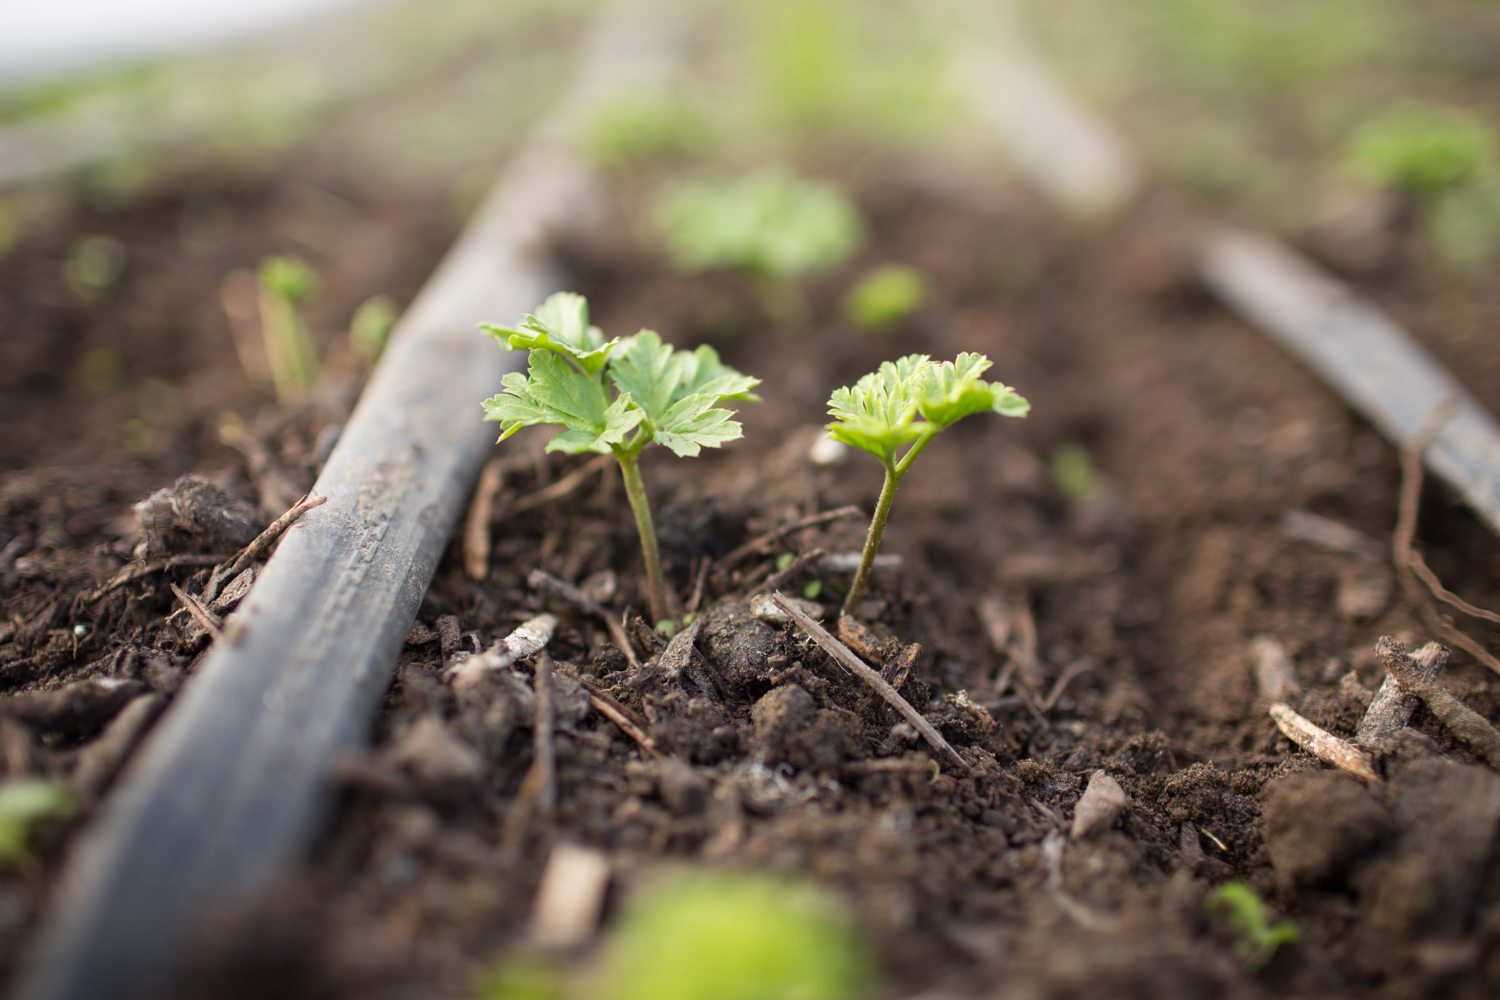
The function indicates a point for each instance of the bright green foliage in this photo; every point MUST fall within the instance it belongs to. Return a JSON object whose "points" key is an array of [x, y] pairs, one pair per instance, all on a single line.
{"points": [[615, 397], [24, 804], [287, 284], [1245, 913], [522, 978], [885, 297], [371, 327], [1449, 162], [733, 937], [1422, 149], [904, 404], [772, 227]]}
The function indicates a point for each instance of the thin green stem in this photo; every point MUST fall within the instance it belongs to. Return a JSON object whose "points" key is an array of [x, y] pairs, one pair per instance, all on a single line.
{"points": [[635, 491], [872, 540]]}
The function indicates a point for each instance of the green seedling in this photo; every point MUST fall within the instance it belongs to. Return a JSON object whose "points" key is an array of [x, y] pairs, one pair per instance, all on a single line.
{"points": [[733, 937], [370, 327], [23, 805], [1073, 472], [894, 413], [93, 266], [773, 228], [642, 127], [615, 397], [1242, 909], [1448, 163], [885, 297], [286, 284]]}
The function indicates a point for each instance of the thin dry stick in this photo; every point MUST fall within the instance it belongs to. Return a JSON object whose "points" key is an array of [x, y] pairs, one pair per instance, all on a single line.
{"points": [[845, 657], [1391, 708], [205, 618], [770, 538], [1411, 566], [1458, 718], [538, 791], [1082, 665], [603, 703], [1322, 744], [559, 489], [133, 573], [548, 584], [477, 543], [264, 540]]}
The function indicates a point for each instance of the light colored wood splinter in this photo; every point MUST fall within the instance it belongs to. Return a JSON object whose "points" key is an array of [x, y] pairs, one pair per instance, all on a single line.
{"points": [[1322, 744]]}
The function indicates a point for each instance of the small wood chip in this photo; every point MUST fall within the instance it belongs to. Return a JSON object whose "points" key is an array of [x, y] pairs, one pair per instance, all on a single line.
{"points": [[527, 640], [1322, 744], [570, 898], [1101, 805], [1274, 675], [846, 658], [1392, 707]]}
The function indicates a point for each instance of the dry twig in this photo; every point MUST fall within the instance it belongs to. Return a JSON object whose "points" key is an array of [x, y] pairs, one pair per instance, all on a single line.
{"points": [[130, 574], [548, 584], [845, 657], [1322, 744], [1459, 719], [763, 542], [528, 639], [477, 544], [559, 489], [1391, 708], [206, 619], [605, 704], [538, 791]]}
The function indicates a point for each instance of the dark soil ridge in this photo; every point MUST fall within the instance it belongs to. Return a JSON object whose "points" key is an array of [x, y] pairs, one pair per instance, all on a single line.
{"points": [[1147, 595]]}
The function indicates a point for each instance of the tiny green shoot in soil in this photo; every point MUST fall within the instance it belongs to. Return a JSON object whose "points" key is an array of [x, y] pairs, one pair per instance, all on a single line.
{"points": [[1242, 909], [615, 397], [370, 327], [885, 297], [286, 285], [24, 804], [773, 228], [894, 413]]}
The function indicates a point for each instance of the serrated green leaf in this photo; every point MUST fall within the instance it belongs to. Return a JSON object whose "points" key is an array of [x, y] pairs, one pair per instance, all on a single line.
{"points": [[694, 423], [560, 325], [648, 370], [948, 391], [553, 392]]}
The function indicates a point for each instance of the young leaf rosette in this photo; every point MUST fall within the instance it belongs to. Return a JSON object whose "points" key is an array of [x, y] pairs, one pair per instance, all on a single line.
{"points": [[895, 411], [616, 396]]}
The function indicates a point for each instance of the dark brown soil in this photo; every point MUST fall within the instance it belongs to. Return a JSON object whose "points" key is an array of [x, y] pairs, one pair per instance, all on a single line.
{"points": [[1134, 608]]}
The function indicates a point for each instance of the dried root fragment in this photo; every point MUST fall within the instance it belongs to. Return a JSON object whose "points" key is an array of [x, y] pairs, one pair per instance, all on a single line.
{"points": [[1322, 744], [1458, 718]]}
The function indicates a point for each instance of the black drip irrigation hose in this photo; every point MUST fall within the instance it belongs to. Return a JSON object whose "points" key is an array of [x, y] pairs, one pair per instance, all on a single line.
{"points": [[233, 784]]}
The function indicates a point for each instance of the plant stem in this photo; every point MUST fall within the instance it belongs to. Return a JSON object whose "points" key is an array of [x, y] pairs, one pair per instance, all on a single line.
{"points": [[872, 540], [635, 490]]}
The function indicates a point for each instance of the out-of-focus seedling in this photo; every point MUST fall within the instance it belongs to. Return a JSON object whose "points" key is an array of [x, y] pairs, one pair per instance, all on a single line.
{"points": [[286, 284], [773, 228], [1073, 472], [885, 297], [93, 266], [370, 327], [1448, 163], [640, 127], [615, 397], [24, 804], [733, 937], [1257, 939], [894, 413]]}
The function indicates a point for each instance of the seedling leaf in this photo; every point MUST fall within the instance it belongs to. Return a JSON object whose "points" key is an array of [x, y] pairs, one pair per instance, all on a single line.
{"points": [[24, 804], [560, 324]]}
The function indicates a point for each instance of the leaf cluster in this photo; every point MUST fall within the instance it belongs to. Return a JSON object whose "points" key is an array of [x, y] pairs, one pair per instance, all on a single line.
{"points": [[1422, 149], [767, 223], [909, 400], [614, 395]]}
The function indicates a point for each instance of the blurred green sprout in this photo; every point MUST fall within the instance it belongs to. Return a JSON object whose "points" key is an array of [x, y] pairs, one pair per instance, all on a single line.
{"points": [[734, 937], [1257, 940], [24, 804], [1073, 472], [93, 266], [772, 227], [286, 285], [370, 327], [885, 297], [639, 128]]}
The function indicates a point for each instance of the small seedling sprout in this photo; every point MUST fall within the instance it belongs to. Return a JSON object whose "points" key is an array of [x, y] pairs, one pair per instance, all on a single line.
{"points": [[370, 327], [24, 804], [773, 228], [885, 297], [615, 397], [1242, 908], [894, 413], [286, 284]]}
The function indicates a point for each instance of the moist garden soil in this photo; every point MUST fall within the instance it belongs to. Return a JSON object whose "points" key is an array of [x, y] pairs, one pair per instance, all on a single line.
{"points": [[1048, 636]]}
